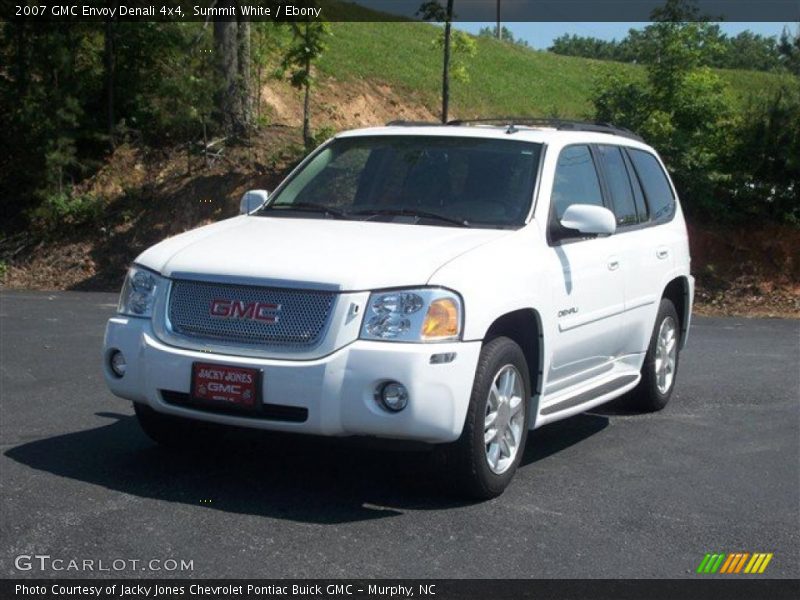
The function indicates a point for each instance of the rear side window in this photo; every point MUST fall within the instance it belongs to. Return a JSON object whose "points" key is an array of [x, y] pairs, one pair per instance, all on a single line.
{"points": [[619, 185], [576, 180], [638, 195], [655, 184]]}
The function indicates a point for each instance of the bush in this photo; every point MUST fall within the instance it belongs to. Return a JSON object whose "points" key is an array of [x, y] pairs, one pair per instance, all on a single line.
{"points": [[66, 209], [728, 167], [322, 134], [764, 159]]}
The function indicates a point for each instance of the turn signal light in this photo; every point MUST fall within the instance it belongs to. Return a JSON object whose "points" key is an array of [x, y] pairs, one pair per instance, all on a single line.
{"points": [[442, 320]]}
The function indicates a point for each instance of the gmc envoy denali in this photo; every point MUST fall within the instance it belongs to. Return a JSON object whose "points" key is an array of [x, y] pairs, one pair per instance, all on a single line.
{"points": [[458, 285]]}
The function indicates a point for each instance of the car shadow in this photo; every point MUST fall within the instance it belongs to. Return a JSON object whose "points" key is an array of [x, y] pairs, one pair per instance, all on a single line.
{"points": [[298, 478], [558, 436]]}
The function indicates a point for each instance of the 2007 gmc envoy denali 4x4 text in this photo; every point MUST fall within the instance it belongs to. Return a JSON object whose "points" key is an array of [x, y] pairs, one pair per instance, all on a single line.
{"points": [[458, 285]]}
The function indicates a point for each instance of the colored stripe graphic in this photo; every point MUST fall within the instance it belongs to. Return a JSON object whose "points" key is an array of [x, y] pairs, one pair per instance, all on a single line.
{"points": [[702, 567], [730, 563], [727, 564], [711, 563], [741, 562], [734, 562], [764, 564], [758, 563]]}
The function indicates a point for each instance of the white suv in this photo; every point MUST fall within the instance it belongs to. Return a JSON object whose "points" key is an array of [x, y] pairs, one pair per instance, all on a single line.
{"points": [[453, 284]]}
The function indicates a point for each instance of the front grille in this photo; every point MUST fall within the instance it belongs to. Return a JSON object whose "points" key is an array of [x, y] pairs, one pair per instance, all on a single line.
{"points": [[268, 412], [291, 319]]}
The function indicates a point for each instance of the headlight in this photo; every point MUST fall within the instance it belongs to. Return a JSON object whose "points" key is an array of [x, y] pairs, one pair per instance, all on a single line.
{"points": [[422, 315], [139, 292]]}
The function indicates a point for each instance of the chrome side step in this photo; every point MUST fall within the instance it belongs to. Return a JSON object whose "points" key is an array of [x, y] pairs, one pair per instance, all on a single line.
{"points": [[591, 394]]}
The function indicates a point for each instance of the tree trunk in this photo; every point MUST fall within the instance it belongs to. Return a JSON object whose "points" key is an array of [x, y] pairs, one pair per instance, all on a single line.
{"points": [[245, 91], [446, 66], [22, 60], [307, 106], [109, 66], [226, 50]]}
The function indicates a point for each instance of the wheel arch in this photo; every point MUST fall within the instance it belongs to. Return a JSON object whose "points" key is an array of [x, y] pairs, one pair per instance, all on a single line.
{"points": [[523, 326], [678, 292]]}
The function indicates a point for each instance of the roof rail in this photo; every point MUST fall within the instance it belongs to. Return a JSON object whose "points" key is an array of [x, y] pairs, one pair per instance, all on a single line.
{"points": [[560, 124], [404, 123]]}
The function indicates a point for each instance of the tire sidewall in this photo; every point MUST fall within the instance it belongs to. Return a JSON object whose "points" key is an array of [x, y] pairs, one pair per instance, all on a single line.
{"points": [[659, 399], [495, 355]]}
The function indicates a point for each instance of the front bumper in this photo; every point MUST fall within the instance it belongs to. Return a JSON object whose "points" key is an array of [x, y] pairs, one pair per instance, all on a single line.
{"points": [[337, 390]]}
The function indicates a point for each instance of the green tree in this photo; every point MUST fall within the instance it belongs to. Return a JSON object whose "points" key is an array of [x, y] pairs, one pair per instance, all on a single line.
{"points": [[433, 11], [462, 47], [457, 44], [764, 158], [70, 90], [308, 44], [727, 166], [789, 51], [682, 109], [746, 50], [506, 35]]}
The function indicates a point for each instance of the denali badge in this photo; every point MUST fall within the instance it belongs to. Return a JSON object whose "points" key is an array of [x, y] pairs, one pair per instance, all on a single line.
{"points": [[236, 309]]}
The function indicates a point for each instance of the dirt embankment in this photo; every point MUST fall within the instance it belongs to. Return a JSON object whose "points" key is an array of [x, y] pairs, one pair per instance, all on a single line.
{"points": [[357, 104], [148, 195], [745, 271]]}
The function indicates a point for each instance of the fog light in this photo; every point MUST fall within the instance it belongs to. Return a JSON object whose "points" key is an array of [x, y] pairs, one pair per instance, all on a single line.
{"points": [[393, 396], [117, 363]]}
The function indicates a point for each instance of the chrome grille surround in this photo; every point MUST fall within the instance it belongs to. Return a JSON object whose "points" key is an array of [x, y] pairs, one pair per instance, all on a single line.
{"points": [[300, 321]]}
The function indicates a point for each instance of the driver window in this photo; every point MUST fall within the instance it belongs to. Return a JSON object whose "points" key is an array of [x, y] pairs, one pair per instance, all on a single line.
{"points": [[576, 180], [338, 181]]}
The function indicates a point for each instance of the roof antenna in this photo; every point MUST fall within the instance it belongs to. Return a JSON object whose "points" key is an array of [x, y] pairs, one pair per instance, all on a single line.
{"points": [[511, 129]]}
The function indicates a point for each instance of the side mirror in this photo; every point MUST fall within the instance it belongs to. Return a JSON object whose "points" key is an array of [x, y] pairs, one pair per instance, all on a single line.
{"points": [[588, 218], [253, 200]]}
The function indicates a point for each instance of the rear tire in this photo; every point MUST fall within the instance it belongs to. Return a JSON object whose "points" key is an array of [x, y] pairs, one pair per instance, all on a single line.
{"points": [[169, 431], [660, 367], [486, 456]]}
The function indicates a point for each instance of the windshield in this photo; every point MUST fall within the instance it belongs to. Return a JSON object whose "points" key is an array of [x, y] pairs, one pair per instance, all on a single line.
{"points": [[448, 181]]}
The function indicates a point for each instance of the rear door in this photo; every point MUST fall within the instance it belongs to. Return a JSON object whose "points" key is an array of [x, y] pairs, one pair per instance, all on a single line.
{"points": [[643, 203], [587, 278]]}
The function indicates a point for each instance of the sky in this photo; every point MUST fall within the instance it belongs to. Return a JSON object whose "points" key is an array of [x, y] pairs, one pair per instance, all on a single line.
{"points": [[541, 35]]}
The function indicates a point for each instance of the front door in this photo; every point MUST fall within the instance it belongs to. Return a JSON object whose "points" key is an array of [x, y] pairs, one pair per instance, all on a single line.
{"points": [[587, 280]]}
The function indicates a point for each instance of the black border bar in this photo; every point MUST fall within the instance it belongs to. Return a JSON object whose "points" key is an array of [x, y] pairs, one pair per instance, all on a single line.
{"points": [[387, 10], [700, 588]]}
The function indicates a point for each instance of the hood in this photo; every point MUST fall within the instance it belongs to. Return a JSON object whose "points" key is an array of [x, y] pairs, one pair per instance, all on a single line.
{"points": [[318, 253]]}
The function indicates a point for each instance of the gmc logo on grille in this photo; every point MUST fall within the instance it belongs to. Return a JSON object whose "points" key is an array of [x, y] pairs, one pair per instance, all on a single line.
{"points": [[236, 309]]}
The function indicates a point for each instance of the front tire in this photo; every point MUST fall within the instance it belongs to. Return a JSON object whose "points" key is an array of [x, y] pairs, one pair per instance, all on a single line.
{"points": [[660, 366], [486, 456]]}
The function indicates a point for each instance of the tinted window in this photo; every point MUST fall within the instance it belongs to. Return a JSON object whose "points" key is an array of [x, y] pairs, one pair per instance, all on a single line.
{"points": [[638, 195], [619, 184], [575, 180], [337, 184], [655, 184], [481, 181]]}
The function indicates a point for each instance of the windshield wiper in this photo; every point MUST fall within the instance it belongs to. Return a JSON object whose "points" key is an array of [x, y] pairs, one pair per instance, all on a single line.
{"points": [[410, 212], [309, 207]]}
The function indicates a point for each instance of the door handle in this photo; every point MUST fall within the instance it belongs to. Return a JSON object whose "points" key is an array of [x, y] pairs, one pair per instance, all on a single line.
{"points": [[613, 264], [662, 253]]}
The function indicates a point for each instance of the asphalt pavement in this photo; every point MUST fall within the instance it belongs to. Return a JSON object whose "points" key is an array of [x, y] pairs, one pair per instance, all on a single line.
{"points": [[607, 494]]}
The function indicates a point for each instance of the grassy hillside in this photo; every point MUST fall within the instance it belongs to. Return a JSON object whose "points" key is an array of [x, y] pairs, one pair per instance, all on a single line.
{"points": [[504, 79], [372, 73]]}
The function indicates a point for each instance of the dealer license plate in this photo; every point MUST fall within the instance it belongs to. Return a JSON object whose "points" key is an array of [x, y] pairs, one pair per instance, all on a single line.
{"points": [[222, 385]]}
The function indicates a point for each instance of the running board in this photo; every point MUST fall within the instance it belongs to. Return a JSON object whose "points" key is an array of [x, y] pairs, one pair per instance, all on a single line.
{"points": [[591, 394]]}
